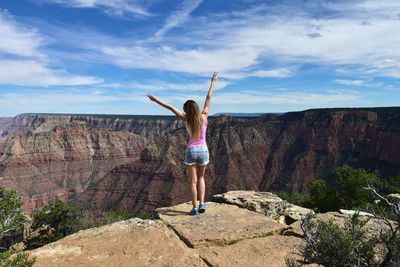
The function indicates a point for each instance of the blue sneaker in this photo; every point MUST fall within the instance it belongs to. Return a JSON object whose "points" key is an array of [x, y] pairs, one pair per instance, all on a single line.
{"points": [[194, 211], [202, 208]]}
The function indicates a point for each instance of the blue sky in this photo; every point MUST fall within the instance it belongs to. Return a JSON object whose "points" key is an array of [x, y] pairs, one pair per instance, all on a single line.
{"points": [[104, 56]]}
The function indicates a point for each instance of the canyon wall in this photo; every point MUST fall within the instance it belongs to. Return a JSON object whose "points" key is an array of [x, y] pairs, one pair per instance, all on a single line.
{"points": [[136, 162]]}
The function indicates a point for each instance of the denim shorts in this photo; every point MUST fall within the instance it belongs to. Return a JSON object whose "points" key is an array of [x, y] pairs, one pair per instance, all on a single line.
{"points": [[197, 155]]}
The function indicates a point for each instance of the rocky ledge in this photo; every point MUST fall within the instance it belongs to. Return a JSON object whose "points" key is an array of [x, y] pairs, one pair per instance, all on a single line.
{"points": [[243, 233]]}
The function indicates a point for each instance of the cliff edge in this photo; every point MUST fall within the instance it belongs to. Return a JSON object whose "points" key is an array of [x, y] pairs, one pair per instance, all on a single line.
{"points": [[254, 229]]}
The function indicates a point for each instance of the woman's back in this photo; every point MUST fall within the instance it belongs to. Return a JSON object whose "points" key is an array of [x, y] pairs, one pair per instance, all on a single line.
{"points": [[201, 140]]}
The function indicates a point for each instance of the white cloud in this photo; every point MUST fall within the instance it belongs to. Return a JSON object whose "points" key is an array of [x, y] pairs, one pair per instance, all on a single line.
{"points": [[18, 40], [112, 7], [288, 98], [349, 82], [178, 17], [385, 63], [270, 73], [167, 86], [73, 100], [237, 44], [23, 60], [30, 72], [233, 43], [198, 61]]}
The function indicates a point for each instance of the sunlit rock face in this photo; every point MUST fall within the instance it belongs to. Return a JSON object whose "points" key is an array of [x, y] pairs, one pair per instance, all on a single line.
{"points": [[136, 162]]}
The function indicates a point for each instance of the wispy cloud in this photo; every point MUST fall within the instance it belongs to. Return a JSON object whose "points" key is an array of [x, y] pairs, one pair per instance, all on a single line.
{"points": [[78, 101], [23, 60], [270, 73], [293, 99], [30, 72], [349, 82], [232, 43], [289, 98], [167, 86], [253, 38], [17, 40], [178, 17], [112, 7]]}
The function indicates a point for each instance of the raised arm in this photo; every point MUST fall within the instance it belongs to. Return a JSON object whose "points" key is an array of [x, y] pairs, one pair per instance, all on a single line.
{"points": [[209, 94], [176, 111]]}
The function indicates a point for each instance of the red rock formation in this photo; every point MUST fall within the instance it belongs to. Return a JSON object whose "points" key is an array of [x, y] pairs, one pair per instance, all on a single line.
{"points": [[62, 162], [136, 162]]}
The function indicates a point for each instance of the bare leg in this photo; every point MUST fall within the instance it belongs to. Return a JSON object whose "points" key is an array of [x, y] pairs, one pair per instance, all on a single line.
{"points": [[191, 170], [202, 185]]}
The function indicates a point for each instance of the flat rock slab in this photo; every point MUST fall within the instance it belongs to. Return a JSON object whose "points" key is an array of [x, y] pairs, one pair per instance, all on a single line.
{"points": [[220, 225], [258, 252], [132, 242]]}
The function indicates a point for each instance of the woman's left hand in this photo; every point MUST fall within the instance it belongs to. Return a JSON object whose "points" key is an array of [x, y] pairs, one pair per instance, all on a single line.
{"points": [[214, 78], [152, 98]]}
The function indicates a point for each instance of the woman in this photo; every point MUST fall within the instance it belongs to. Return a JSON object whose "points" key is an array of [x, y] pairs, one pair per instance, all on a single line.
{"points": [[196, 157]]}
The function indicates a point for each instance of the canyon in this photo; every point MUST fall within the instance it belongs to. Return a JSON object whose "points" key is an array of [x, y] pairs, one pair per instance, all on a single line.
{"points": [[135, 163]]}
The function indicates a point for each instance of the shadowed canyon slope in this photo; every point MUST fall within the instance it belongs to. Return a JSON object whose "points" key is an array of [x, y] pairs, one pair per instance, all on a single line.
{"points": [[136, 162]]}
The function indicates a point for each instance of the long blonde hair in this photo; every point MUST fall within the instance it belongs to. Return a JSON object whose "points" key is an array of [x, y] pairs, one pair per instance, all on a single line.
{"points": [[193, 117]]}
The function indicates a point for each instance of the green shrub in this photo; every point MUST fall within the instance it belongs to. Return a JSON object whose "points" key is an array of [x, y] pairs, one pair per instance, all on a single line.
{"points": [[7, 259], [323, 196], [11, 216], [352, 182], [53, 221], [144, 215], [118, 215], [296, 198], [392, 185], [89, 219], [63, 217], [330, 245]]}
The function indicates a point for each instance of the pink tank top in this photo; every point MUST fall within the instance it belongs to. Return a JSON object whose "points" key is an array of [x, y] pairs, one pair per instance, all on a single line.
{"points": [[201, 140]]}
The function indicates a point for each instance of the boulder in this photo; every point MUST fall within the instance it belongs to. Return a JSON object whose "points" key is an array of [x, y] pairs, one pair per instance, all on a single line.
{"points": [[266, 203], [294, 213]]}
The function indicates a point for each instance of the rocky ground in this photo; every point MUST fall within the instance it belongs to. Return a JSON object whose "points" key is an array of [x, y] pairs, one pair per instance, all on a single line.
{"points": [[254, 229], [224, 236]]}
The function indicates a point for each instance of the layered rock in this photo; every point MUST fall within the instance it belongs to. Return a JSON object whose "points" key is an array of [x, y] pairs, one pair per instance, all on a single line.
{"points": [[59, 164], [136, 162]]}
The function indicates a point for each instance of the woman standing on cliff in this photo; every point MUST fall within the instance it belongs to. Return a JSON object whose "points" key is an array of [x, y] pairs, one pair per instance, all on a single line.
{"points": [[196, 157]]}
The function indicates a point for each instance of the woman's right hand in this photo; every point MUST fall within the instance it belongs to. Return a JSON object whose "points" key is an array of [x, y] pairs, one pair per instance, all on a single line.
{"points": [[214, 77]]}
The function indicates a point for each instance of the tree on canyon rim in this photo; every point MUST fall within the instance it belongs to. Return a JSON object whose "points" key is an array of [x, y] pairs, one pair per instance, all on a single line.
{"points": [[11, 215]]}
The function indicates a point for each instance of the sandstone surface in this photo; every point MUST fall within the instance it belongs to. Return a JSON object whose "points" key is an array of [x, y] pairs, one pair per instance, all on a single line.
{"points": [[221, 225], [260, 252], [225, 235], [133, 242]]}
